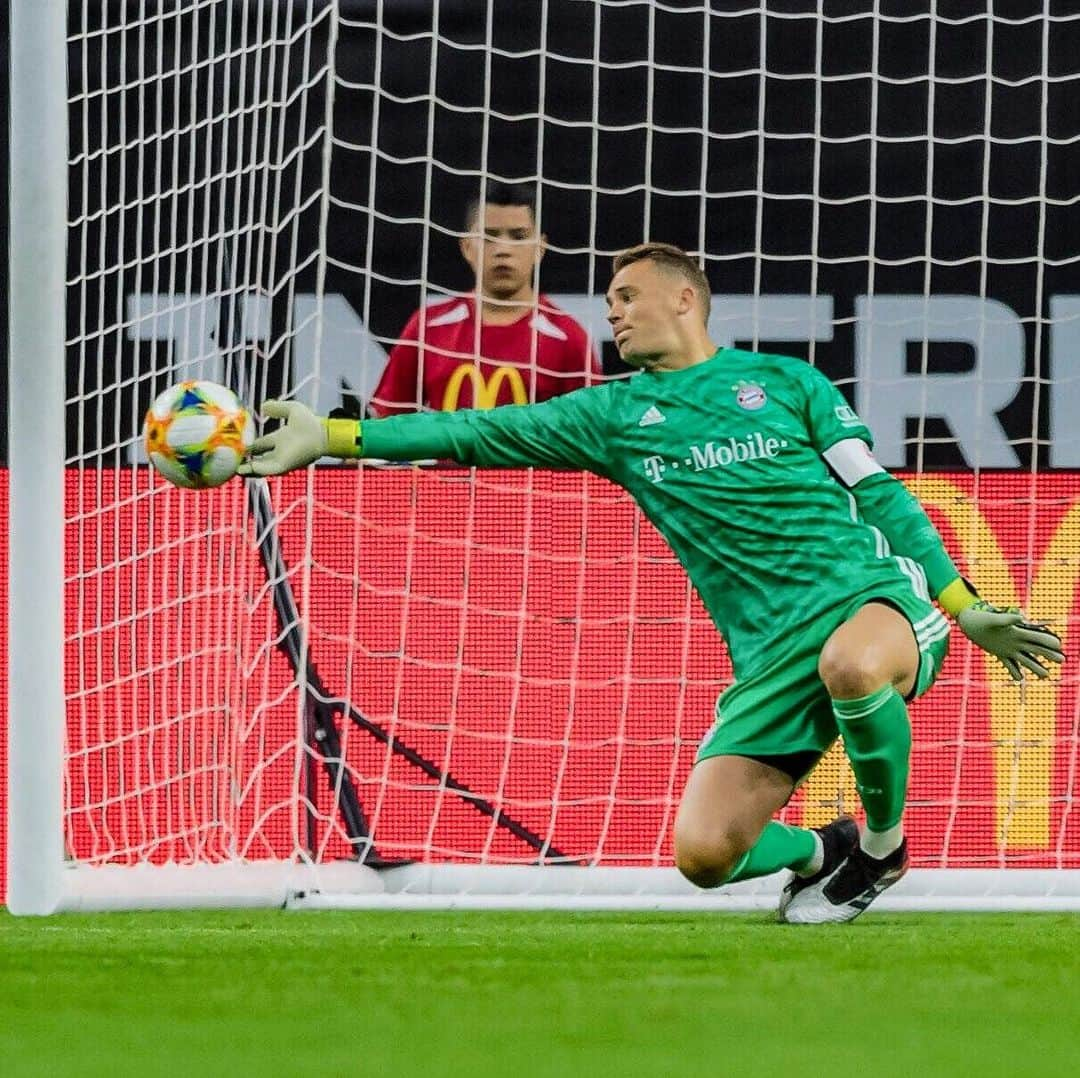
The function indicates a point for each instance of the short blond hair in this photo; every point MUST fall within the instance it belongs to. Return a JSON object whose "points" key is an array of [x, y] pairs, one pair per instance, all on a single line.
{"points": [[673, 260]]}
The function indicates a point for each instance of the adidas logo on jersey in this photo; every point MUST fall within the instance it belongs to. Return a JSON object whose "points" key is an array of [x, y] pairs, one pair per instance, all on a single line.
{"points": [[652, 416]]}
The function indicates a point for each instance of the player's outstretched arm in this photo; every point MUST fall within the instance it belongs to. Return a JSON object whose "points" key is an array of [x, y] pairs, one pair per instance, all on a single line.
{"points": [[566, 432]]}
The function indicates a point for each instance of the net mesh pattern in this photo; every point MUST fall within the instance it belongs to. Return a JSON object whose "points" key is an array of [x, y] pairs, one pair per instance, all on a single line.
{"points": [[262, 194]]}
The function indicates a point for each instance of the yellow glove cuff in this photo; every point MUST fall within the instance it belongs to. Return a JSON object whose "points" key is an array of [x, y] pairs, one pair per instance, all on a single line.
{"points": [[342, 438], [956, 596]]}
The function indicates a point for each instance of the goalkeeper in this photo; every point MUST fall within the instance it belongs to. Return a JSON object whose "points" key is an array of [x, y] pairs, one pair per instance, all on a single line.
{"points": [[817, 567]]}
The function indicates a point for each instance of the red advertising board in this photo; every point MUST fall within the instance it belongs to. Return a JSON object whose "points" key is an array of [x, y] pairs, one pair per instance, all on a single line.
{"points": [[530, 635]]}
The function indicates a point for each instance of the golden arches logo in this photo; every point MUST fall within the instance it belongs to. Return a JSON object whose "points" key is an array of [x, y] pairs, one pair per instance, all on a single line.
{"points": [[1022, 720], [485, 392]]}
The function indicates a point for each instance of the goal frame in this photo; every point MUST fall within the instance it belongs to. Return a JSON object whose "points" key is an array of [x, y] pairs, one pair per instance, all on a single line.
{"points": [[41, 879], [37, 253]]}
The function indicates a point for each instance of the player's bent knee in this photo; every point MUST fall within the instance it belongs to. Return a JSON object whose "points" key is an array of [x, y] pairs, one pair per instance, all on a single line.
{"points": [[708, 861], [849, 672], [704, 871]]}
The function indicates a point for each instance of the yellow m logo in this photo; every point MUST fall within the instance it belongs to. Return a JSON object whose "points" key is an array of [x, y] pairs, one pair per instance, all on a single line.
{"points": [[1022, 720], [485, 393]]}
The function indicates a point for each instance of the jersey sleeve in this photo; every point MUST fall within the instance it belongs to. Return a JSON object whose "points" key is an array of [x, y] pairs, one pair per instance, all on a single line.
{"points": [[890, 507], [569, 431], [829, 417], [883, 501], [400, 387]]}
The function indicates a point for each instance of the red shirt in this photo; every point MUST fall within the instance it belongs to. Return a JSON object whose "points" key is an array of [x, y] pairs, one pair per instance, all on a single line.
{"points": [[437, 365]]}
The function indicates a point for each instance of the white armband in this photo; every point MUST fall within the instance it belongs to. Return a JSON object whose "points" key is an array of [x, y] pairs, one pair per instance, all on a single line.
{"points": [[852, 460]]}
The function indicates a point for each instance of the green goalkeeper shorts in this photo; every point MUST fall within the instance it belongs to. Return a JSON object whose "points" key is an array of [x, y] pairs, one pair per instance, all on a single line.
{"points": [[785, 710]]}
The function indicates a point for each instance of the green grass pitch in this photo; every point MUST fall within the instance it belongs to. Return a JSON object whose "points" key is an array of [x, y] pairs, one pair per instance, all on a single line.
{"points": [[520, 994]]}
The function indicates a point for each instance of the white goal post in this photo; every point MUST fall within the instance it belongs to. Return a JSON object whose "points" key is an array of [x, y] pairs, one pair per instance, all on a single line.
{"points": [[431, 687], [37, 245]]}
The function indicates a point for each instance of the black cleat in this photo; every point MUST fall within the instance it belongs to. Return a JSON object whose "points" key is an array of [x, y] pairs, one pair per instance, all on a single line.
{"points": [[854, 885], [838, 840]]}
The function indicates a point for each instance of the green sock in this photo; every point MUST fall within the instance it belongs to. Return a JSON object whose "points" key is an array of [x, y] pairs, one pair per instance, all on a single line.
{"points": [[877, 737], [780, 846]]}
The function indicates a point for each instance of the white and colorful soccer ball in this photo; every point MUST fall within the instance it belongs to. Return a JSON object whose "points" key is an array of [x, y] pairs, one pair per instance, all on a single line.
{"points": [[196, 433]]}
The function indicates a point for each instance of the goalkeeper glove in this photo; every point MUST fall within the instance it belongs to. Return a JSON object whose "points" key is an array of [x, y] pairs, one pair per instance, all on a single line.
{"points": [[1006, 634], [299, 441]]}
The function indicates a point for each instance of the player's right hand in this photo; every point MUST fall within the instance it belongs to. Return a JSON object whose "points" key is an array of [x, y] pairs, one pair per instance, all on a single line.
{"points": [[299, 441], [1006, 634]]}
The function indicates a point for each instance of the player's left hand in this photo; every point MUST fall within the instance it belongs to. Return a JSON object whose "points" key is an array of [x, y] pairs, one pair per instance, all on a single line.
{"points": [[299, 441], [1008, 635]]}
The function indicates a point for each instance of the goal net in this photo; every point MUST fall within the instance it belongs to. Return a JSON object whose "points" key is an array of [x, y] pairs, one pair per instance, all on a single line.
{"points": [[361, 685]]}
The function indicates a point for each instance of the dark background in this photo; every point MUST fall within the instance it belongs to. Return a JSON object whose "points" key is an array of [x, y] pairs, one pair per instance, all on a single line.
{"points": [[785, 192]]}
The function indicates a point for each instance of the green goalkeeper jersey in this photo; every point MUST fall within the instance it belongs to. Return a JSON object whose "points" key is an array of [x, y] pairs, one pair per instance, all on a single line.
{"points": [[725, 459]]}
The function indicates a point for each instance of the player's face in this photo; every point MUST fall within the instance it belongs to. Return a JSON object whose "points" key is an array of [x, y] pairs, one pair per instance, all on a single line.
{"points": [[504, 251], [645, 307]]}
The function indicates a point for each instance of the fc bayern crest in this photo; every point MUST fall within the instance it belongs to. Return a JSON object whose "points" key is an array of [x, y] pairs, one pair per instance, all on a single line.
{"points": [[750, 396]]}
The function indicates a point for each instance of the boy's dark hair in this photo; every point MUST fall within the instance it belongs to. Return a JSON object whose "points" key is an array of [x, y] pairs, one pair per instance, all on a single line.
{"points": [[674, 260], [497, 193]]}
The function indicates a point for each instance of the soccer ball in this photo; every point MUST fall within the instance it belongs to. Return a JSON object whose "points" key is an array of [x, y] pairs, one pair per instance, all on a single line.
{"points": [[196, 434]]}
